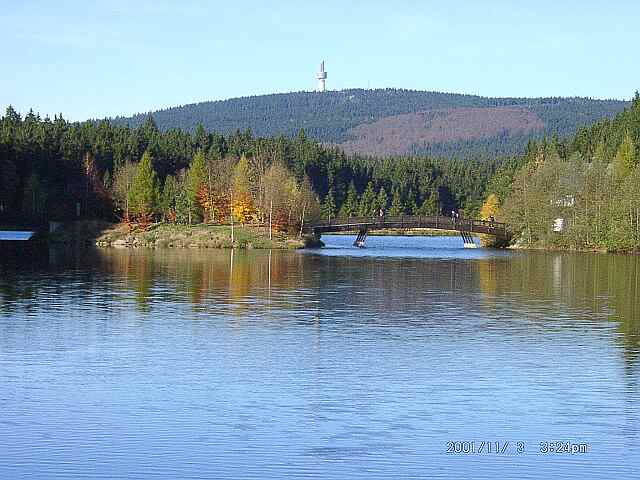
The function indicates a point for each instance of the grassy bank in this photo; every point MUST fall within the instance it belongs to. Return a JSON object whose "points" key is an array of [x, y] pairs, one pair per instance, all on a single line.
{"points": [[541, 246], [165, 235]]}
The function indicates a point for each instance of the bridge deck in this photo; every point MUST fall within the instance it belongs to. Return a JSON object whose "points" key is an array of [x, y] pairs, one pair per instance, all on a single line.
{"points": [[436, 222]]}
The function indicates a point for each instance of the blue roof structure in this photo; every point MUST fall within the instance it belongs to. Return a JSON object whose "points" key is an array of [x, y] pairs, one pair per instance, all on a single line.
{"points": [[15, 235]]}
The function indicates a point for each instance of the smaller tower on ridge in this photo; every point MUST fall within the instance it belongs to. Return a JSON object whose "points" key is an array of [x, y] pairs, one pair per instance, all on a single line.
{"points": [[322, 78]]}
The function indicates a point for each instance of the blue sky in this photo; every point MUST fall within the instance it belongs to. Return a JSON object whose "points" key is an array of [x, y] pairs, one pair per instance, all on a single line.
{"points": [[90, 59]]}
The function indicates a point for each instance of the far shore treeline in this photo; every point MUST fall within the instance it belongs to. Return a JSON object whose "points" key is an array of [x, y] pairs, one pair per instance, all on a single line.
{"points": [[579, 192], [57, 170]]}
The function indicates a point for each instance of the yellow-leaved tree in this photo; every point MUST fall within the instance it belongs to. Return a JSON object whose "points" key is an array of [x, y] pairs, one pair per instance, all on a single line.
{"points": [[490, 207], [243, 205]]}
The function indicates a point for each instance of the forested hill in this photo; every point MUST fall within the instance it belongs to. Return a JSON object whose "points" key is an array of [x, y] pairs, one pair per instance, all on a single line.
{"points": [[393, 122]]}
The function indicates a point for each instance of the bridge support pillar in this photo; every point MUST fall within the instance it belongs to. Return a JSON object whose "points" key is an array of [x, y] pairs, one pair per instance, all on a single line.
{"points": [[362, 236], [467, 239]]}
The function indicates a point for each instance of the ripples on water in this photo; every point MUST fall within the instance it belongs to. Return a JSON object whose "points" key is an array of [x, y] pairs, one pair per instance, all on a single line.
{"points": [[339, 363]]}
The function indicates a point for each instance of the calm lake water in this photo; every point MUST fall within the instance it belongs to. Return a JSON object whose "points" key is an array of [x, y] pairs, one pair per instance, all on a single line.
{"points": [[334, 363]]}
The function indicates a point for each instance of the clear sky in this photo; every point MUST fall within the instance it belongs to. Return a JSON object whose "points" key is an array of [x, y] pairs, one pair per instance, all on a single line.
{"points": [[90, 59]]}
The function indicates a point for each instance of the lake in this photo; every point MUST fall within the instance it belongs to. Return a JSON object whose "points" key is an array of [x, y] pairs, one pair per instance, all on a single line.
{"points": [[411, 358]]}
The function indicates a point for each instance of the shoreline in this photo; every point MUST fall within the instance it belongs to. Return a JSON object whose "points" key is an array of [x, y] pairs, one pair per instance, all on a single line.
{"points": [[169, 235], [548, 248]]}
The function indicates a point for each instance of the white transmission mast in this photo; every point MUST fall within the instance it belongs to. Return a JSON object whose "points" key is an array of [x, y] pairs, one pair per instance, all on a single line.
{"points": [[322, 78]]}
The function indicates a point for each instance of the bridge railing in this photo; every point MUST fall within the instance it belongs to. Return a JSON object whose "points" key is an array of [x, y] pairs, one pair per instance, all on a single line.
{"points": [[413, 221]]}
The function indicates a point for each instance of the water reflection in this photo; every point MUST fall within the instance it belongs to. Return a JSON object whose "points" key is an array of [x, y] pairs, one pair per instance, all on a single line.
{"points": [[593, 286], [342, 362]]}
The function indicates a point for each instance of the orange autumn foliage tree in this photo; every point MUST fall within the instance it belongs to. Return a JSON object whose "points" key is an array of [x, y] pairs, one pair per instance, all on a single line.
{"points": [[203, 196], [215, 206], [220, 206]]}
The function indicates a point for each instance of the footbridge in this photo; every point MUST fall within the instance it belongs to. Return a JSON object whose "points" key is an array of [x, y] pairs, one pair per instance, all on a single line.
{"points": [[466, 227]]}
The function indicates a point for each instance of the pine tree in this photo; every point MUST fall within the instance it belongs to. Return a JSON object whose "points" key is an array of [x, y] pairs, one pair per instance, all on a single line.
{"points": [[396, 204], [35, 196], [201, 138], [600, 154], [328, 210], [410, 206], [625, 159], [149, 129], [9, 180], [350, 205], [168, 199], [143, 196], [429, 205], [183, 212], [193, 183], [381, 201], [367, 201], [636, 101]]}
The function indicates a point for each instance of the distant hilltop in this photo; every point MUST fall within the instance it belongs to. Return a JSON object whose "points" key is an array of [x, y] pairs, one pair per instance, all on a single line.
{"points": [[392, 121]]}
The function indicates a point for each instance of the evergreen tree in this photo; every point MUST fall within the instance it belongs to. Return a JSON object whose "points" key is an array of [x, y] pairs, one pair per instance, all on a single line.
{"points": [[367, 202], [9, 182], [193, 183], [201, 139], [625, 159], [381, 201], [429, 205], [149, 129], [396, 204], [35, 196], [328, 210], [410, 204], [168, 199], [600, 153], [143, 196], [11, 117], [350, 205], [183, 208]]}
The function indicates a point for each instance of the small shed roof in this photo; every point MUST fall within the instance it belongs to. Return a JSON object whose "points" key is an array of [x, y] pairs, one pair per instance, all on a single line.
{"points": [[16, 235]]}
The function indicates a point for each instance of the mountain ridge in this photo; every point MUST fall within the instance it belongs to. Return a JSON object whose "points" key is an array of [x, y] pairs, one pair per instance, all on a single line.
{"points": [[358, 120]]}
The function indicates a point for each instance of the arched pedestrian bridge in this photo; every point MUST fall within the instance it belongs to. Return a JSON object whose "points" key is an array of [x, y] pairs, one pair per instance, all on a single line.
{"points": [[466, 227]]}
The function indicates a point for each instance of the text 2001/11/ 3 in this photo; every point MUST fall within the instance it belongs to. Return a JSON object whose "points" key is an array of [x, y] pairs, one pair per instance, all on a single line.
{"points": [[507, 448], [497, 447]]}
